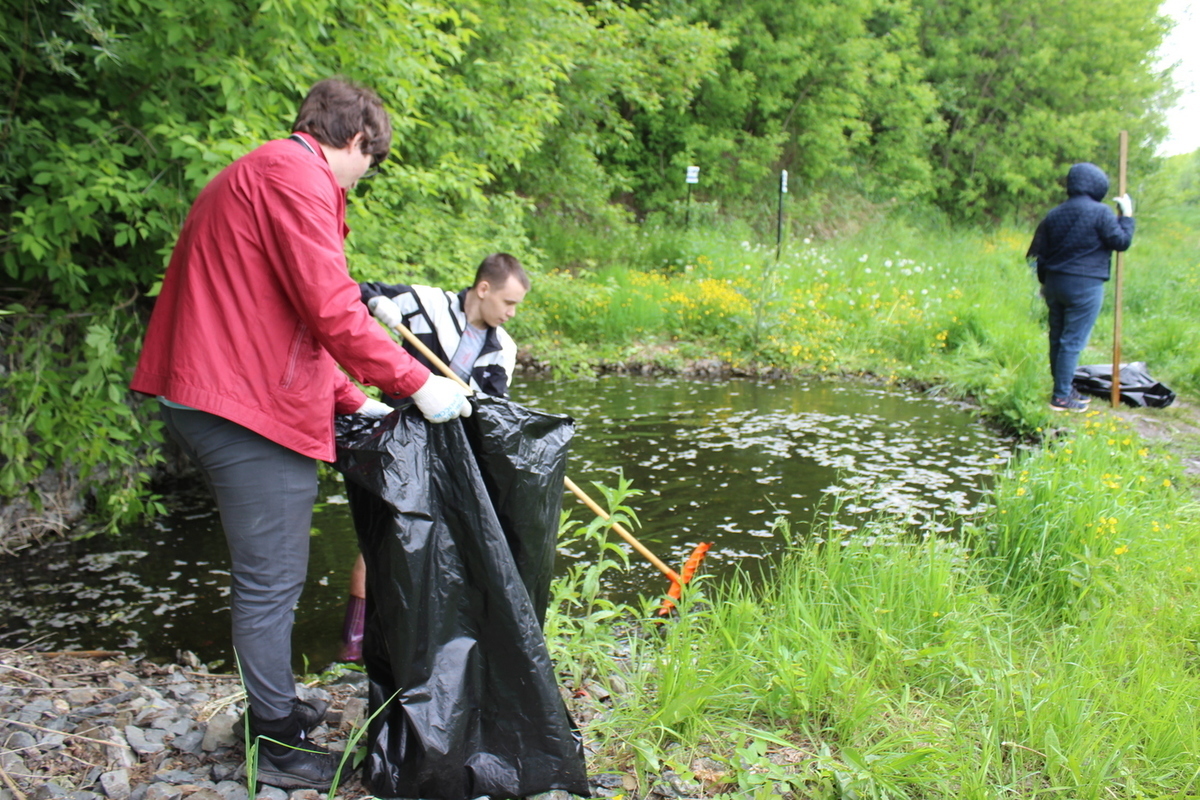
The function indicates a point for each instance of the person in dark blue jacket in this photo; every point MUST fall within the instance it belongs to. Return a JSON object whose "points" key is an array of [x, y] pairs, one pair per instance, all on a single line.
{"points": [[1073, 246]]}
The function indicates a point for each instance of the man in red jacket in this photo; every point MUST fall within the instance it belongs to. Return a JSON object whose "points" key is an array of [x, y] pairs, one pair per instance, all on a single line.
{"points": [[256, 313]]}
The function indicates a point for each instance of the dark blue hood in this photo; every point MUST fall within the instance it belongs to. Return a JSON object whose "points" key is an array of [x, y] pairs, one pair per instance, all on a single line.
{"points": [[1086, 178]]}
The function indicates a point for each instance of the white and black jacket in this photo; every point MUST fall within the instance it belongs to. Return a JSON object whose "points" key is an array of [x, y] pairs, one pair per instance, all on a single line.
{"points": [[437, 318]]}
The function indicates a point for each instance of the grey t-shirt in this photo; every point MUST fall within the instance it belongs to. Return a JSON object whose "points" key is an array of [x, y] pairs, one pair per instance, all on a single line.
{"points": [[469, 347]]}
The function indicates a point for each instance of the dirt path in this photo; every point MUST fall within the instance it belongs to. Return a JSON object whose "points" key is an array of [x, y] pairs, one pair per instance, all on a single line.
{"points": [[1177, 428]]}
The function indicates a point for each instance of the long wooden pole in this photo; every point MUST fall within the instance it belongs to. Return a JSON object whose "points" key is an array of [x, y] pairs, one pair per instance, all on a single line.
{"points": [[570, 484], [1116, 366]]}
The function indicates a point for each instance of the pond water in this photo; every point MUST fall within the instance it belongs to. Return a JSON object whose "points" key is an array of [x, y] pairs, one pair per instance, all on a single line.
{"points": [[716, 462]]}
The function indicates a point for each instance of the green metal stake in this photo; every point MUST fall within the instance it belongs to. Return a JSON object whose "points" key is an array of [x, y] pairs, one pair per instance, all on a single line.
{"points": [[779, 222]]}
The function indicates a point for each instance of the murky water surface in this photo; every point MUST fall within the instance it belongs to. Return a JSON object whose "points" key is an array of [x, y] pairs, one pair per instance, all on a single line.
{"points": [[716, 461]]}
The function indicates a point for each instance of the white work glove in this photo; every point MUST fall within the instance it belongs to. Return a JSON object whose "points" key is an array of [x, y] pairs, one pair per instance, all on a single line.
{"points": [[385, 310], [373, 409], [441, 400], [1124, 204]]}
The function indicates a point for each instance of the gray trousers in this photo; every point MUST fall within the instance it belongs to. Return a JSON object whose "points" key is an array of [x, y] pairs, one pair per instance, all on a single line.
{"points": [[265, 493]]}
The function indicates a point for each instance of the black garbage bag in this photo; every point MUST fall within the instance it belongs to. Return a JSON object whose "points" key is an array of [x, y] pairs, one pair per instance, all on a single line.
{"points": [[458, 667], [1137, 388]]}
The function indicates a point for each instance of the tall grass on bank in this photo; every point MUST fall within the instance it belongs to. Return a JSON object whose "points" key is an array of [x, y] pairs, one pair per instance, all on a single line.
{"points": [[1049, 653], [954, 308]]}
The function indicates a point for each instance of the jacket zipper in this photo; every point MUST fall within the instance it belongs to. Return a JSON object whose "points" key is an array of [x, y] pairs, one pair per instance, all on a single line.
{"points": [[293, 356]]}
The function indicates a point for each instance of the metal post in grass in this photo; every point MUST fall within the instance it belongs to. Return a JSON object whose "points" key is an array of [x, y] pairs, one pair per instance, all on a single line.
{"points": [[1116, 367], [779, 220], [693, 176]]}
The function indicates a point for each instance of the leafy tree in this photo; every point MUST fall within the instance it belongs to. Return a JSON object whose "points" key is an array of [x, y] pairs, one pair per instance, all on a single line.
{"points": [[824, 89], [1027, 90], [618, 62]]}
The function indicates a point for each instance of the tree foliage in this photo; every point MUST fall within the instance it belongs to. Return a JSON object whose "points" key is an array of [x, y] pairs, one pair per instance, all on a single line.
{"points": [[512, 118], [1027, 90]]}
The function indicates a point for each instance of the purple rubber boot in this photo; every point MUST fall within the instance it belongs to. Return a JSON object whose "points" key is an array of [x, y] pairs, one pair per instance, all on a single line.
{"points": [[352, 629]]}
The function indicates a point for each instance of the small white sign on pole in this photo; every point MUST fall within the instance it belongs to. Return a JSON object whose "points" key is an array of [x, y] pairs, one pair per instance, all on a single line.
{"points": [[693, 174], [783, 182]]}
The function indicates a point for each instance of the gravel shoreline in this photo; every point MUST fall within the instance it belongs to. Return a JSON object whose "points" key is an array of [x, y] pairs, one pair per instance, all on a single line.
{"points": [[95, 724], [91, 725]]}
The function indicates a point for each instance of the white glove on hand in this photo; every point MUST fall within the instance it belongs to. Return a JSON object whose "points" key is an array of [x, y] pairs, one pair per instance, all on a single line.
{"points": [[385, 310], [1124, 204], [441, 400], [374, 409]]}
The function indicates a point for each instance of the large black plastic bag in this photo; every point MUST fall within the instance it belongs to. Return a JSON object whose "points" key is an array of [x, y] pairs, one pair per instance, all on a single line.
{"points": [[1137, 388], [454, 647]]}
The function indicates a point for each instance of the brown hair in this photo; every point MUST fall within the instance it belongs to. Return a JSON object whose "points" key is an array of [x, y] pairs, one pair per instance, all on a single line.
{"points": [[336, 109], [497, 268]]}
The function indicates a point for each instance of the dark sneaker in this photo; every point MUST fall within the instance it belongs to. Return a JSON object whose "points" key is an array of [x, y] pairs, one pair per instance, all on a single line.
{"points": [[1067, 404], [301, 765], [309, 713], [286, 759], [1083, 398]]}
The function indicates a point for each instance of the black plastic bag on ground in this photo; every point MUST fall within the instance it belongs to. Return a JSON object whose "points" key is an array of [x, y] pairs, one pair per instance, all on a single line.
{"points": [[455, 556], [1137, 388]]}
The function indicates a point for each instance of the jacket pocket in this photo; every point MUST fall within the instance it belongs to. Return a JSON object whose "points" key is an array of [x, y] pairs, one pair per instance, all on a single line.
{"points": [[296, 355]]}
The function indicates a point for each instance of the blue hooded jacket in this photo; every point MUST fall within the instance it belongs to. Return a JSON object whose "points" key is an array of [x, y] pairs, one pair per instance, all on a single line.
{"points": [[1079, 236]]}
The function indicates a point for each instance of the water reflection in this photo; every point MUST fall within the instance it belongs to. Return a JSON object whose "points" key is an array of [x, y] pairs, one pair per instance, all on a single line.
{"points": [[717, 462]]}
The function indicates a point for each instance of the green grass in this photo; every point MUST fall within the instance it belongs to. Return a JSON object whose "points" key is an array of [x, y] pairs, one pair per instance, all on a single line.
{"points": [[1052, 651], [956, 309]]}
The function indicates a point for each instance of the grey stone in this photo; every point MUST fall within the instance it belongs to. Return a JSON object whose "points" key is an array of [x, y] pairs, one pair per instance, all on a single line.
{"points": [[181, 691], [50, 741], [80, 697], [33, 712], [206, 793], [142, 741], [20, 740], [223, 772], [354, 712], [116, 784], [119, 753], [190, 742], [313, 693], [62, 723], [232, 790], [305, 794], [683, 788], [179, 726], [173, 776], [162, 791], [148, 714], [83, 794], [12, 763], [271, 793], [221, 732], [139, 791], [48, 791], [123, 680]]}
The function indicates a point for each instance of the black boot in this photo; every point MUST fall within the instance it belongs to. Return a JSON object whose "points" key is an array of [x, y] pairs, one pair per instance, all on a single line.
{"points": [[286, 759], [310, 714]]}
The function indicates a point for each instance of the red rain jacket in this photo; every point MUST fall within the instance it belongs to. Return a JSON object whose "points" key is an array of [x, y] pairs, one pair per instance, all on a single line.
{"points": [[257, 309]]}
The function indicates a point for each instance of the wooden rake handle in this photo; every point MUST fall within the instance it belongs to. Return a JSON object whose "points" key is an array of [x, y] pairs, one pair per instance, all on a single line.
{"points": [[570, 484]]}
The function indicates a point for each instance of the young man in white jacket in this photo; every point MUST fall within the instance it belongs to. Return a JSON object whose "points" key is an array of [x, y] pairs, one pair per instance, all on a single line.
{"points": [[463, 329]]}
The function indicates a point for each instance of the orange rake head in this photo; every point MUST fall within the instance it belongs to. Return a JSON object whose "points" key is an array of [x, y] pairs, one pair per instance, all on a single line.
{"points": [[689, 569]]}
